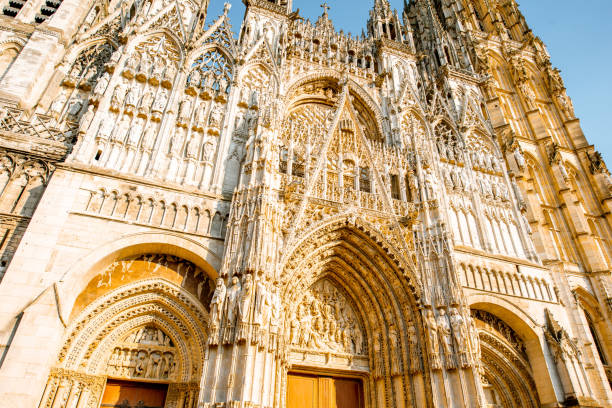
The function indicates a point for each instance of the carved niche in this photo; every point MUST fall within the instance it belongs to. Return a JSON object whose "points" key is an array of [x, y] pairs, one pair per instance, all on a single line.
{"points": [[325, 321], [146, 353]]}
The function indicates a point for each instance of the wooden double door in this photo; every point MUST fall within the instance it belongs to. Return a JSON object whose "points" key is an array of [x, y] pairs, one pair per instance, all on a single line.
{"points": [[311, 391], [131, 394]]}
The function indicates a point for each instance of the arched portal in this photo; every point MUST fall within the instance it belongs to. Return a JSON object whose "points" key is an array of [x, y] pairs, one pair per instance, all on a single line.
{"points": [[137, 335], [351, 313], [506, 373]]}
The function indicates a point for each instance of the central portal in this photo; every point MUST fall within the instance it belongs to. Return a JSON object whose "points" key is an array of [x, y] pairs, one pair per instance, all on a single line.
{"points": [[311, 391]]}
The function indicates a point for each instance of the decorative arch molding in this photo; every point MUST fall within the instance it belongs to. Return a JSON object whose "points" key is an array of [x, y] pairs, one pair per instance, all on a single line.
{"points": [[271, 71], [507, 374], [142, 37], [529, 331], [75, 279], [74, 52], [383, 295], [102, 322], [108, 334], [354, 87], [368, 233], [206, 47]]}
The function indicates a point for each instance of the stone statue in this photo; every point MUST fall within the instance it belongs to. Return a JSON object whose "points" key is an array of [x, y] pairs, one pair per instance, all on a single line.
{"points": [[135, 132], [217, 303], [160, 102], [246, 298], [460, 335], [444, 333], [231, 302], [102, 84], [432, 329]]}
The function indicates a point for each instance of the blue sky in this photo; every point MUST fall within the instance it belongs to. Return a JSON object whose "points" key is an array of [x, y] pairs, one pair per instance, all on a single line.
{"points": [[577, 34]]}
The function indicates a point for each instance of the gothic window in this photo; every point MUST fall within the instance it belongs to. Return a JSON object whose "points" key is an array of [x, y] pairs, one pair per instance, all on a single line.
{"points": [[211, 71], [596, 339], [365, 183]]}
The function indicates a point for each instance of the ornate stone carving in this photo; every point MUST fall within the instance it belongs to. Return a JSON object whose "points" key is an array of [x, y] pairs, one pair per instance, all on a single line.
{"points": [[325, 321]]}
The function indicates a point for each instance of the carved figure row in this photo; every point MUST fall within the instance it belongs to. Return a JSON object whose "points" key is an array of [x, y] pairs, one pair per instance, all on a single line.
{"points": [[508, 283], [157, 213], [452, 336], [245, 310], [141, 363]]}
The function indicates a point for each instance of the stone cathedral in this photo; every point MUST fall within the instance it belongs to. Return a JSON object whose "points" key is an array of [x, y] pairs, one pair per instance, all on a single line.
{"points": [[294, 216]]}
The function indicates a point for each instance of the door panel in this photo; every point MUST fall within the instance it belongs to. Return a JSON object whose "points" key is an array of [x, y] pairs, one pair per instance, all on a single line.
{"points": [[348, 393], [309, 391], [126, 394], [302, 392]]}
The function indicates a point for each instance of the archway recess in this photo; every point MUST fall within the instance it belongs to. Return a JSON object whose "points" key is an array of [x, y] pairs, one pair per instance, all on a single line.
{"points": [[351, 311], [141, 320]]}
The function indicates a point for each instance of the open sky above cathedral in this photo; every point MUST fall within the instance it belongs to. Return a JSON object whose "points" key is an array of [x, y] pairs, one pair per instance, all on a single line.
{"points": [[577, 39]]}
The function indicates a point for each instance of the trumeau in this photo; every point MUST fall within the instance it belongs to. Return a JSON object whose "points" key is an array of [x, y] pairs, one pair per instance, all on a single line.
{"points": [[416, 208]]}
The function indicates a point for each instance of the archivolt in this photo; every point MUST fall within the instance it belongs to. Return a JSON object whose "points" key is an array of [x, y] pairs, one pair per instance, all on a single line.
{"points": [[92, 336], [355, 259]]}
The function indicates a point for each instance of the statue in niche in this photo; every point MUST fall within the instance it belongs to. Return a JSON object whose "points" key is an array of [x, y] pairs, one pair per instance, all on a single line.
{"points": [[216, 117], [132, 62], [231, 308], [58, 105], [106, 128], [460, 335], [175, 148], [148, 139], [193, 147], [122, 130], [519, 158], [208, 151], [195, 79], [246, 298], [86, 119], [169, 74], [432, 329], [294, 328], [185, 111], [474, 340], [158, 68], [115, 57], [146, 103], [262, 302], [160, 102], [132, 98], [145, 65], [396, 351], [275, 315], [135, 132], [217, 303], [414, 351], [102, 84], [444, 333], [118, 96]]}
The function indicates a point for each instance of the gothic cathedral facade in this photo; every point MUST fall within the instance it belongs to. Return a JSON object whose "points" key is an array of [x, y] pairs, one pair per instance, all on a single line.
{"points": [[295, 217]]}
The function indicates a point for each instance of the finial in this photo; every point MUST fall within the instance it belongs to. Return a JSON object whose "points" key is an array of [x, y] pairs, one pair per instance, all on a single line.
{"points": [[325, 7]]}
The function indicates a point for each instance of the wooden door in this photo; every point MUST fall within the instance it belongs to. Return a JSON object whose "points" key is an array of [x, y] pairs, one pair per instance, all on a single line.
{"points": [[309, 391], [128, 394]]}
